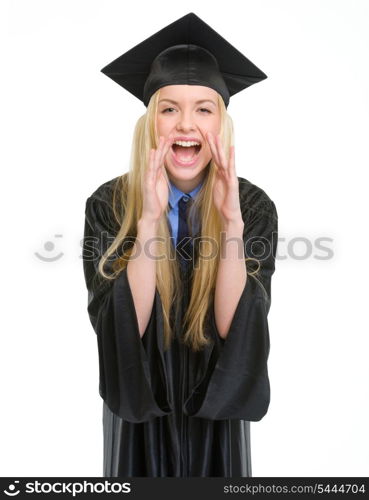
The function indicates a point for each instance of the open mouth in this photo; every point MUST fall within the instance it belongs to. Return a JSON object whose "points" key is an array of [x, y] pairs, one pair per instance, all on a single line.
{"points": [[185, 153]]}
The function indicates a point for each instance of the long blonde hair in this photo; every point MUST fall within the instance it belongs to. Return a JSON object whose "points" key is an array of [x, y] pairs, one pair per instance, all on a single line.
{"points": [[127, 209]]}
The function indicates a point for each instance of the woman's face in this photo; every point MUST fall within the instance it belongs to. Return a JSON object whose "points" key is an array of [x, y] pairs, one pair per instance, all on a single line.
{"points": [[188, 112]]}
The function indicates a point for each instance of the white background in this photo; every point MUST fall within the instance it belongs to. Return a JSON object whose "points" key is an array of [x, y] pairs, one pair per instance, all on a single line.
{"points": [[301, 135]]}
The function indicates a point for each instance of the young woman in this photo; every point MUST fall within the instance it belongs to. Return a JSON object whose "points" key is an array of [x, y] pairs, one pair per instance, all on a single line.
{"points": [[178, 256]]}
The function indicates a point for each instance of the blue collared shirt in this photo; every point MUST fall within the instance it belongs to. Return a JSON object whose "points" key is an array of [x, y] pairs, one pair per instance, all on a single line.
{"points": [[174, 196]]}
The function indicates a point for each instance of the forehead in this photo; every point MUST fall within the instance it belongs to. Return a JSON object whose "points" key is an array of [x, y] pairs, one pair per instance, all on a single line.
{"points": [[183, 93]]}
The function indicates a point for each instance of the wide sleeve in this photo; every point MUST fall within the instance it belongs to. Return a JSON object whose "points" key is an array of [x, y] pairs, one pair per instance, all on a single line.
{"points": [[133, 380], [235, 382]]}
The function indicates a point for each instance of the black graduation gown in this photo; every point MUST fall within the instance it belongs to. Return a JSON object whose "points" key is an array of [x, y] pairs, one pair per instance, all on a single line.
{"points": [[179, 413]]}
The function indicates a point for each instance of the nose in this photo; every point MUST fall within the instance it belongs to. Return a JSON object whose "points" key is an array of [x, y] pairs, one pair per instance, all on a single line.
{"points": [[185, 121]]}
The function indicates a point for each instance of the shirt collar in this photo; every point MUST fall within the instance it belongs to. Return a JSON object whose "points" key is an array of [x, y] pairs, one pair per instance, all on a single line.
{"points": [[176, 194]]}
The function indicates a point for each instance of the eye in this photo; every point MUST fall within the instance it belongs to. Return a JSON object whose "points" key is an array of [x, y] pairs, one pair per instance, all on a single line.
{"points": [[202, 109]]}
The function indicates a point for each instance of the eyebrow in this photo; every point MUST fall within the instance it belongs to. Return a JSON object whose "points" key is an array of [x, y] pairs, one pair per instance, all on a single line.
{"points": [[197, 102]]}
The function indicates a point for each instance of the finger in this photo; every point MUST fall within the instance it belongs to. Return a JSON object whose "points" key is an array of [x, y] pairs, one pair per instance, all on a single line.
{"points": [[151, 159], [158, 154], [222, 156], [165, 148], [232, 163], [148, 174], [151, 169], [213, 148]]}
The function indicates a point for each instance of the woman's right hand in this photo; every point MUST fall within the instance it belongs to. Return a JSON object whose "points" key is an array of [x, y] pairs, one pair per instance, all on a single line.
{"points": [[155, 188]]}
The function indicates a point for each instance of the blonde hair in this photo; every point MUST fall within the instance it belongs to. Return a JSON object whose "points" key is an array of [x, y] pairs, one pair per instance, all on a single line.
{"points": [[127, 209]]}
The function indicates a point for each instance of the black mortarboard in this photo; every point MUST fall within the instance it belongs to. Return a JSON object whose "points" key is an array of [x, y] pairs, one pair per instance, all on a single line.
{"points": [[187, 51]]}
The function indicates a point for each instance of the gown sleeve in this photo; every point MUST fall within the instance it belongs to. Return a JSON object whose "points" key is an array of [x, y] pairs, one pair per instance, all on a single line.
{"points": [[132, 374], [235, 382]]}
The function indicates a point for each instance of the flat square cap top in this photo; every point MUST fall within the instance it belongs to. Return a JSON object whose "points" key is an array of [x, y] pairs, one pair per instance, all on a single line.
{"points": [[187, 51]]}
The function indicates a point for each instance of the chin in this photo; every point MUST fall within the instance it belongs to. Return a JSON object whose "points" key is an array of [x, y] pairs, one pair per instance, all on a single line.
{"points": [[185, 172], [189, 171]]}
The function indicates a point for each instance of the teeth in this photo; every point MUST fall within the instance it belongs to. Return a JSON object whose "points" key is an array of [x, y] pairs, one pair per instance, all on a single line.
{"points": [[187, 144]]}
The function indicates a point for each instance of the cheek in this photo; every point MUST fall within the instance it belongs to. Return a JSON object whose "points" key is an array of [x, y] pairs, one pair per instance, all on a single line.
{"points": [[159, 124], [205, 154], [213, 127], [162, 124], [205, 149]]}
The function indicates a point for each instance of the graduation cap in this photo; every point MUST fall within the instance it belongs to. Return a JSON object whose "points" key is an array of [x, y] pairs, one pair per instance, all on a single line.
{"points": [[187, 51]]}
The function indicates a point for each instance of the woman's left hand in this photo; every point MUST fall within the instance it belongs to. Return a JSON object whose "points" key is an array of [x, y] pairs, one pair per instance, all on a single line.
{"points": [[226, 190]]}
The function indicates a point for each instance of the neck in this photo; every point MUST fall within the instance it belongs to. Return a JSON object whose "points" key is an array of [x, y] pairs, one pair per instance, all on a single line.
{"points": [[187, 185]]}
